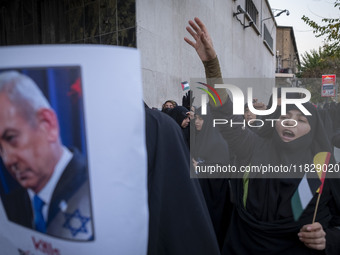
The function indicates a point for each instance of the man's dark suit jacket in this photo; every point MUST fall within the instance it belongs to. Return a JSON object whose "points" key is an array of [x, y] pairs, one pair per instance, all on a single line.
{"points": [[69, 214]]}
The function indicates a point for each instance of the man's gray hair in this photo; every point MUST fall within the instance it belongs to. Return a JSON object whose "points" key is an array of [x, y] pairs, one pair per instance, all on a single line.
{"points": [[23, 92]]}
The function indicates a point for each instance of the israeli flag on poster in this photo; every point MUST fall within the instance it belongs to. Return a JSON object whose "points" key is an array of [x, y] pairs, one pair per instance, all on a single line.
{"points": [[185, 85]]}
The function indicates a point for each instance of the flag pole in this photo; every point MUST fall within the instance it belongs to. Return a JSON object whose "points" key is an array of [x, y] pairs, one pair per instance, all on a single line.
{"points": [[316, 208], [318, 158]]}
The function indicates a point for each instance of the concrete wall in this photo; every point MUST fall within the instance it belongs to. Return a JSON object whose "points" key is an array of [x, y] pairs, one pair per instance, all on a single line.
{"points": [[167, 59]]}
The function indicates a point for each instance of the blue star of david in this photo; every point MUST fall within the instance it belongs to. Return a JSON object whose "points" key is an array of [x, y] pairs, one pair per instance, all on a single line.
{"points": [[75, 218]]}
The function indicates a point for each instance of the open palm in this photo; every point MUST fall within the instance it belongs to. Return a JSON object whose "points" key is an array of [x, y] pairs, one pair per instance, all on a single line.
{"points": [[203, 43]]}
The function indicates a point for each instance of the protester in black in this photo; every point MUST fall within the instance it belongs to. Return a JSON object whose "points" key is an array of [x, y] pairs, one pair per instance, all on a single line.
{"points": [[182, 117], [179, 221], [209, 149]]}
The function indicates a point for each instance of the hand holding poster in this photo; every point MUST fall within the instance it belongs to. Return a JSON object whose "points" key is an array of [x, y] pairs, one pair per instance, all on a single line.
{"points": [[67, 172]]}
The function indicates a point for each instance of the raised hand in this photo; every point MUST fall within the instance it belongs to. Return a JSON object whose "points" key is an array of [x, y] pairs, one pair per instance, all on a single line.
{"points": [[203, 43]]}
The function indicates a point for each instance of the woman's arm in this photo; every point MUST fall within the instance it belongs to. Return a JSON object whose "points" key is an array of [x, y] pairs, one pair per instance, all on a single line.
{"points": [[206, 52], [242, 141]]}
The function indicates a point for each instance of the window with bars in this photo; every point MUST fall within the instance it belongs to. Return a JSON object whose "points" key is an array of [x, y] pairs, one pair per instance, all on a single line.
{"points": [[252, 11]]}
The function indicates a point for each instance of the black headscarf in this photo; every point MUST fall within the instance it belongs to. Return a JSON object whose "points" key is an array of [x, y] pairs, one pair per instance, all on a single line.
{"points": [[337, 118], [208, 144], [333, 115], [179, 113], [328, 122]]}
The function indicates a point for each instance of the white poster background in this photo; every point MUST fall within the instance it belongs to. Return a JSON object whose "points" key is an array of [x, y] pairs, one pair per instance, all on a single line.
{"points": [[115, 136]]}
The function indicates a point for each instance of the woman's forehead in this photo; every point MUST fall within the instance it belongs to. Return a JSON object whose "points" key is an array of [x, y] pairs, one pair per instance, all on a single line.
{"points": [[294, 112]]}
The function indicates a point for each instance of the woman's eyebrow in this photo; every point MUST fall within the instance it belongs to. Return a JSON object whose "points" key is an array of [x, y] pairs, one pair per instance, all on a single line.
{"points": [[300, 115]]}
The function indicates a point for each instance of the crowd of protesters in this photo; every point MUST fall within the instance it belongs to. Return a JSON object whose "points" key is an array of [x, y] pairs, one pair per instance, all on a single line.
{"points": [[254, 214]]}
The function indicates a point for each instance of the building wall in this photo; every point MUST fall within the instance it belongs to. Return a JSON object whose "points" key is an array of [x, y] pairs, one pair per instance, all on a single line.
{"points": [[287, 51], [167, 59]]}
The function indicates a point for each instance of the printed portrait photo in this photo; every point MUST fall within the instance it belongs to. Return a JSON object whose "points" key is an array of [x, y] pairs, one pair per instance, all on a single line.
{"points": [[44, 179]]}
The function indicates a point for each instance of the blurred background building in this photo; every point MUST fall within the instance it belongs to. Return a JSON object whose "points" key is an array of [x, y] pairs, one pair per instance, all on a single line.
{"points": [[287, 57]]}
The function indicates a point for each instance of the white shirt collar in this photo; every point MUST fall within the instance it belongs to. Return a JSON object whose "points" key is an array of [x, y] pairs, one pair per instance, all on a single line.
{"points": [[46, 193]]}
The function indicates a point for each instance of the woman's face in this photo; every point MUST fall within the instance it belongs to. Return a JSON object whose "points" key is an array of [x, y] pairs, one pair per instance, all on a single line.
{"points": [[185, 122], [290, 130], [168, 105], [198, 123]]}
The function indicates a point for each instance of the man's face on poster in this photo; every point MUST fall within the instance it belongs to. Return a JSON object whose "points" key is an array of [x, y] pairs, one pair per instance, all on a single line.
{"points": [[24, 146]]}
